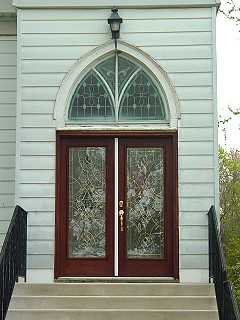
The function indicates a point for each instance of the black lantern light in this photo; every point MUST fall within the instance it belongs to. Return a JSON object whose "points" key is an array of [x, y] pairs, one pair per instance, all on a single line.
{"points": [[115, 21]]}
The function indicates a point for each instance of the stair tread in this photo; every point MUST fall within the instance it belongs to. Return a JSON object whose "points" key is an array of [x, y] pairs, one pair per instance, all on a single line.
{"points": [[97, 314], [118, 301], [114, 297], [117, 289], [114, 309]]}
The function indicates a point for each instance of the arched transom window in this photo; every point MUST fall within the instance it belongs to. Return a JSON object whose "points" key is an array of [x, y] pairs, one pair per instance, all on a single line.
{"points": [[118, 90]]}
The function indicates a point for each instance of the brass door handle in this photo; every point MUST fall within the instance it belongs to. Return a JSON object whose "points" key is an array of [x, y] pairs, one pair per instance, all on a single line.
{"points": [[121, 213]]}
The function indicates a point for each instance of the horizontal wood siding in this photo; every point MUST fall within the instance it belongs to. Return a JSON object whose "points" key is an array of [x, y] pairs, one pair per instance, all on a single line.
{"points": [[8, 74], [180, 40]]}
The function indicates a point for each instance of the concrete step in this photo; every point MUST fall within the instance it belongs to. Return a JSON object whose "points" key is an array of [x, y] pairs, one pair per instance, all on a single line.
{"points": [[113, 301], [114, 289], [116, 302], [87, 314]]}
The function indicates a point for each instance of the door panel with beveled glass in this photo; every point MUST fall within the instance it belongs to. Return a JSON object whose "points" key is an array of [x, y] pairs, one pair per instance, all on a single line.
{"points": [[85, 219], [147, 233], [86, 202]]}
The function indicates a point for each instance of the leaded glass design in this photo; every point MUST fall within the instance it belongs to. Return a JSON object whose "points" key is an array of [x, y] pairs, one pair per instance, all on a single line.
{"points": [[87, 198], [107, 71], [141, 100], [91, 100], [125, 69], [145, 203], [137, 99]]}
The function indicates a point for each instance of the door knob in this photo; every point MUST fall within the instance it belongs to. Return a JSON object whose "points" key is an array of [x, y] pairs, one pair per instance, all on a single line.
{"points": [[121, 213]]}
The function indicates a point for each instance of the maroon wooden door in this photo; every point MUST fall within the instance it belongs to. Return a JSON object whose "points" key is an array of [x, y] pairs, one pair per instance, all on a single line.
{"points": [[145, 223], [84, 206], [146, 198]]}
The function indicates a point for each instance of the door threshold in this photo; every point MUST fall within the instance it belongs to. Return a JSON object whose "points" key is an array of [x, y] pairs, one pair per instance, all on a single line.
{"points": [[116, 279]]}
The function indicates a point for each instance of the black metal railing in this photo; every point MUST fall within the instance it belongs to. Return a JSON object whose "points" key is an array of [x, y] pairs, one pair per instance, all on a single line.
{"points": [[226, 300], [13, 257]]}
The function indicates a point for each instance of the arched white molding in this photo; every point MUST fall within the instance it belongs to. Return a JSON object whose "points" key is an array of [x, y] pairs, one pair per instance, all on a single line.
{"points": [[73, 76]]}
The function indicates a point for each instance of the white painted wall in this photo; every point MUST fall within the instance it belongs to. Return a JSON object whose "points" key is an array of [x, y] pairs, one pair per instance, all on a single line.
{"points": [[6, 7], [181, 40], [8, 74]]}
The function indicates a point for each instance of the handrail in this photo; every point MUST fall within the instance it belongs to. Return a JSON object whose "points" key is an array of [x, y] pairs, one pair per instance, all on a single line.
{"points": [[226, 300], [13, 257]]}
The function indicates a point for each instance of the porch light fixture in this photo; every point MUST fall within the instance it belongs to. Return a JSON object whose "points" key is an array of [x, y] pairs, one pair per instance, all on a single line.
{"points": [[115, 21]]}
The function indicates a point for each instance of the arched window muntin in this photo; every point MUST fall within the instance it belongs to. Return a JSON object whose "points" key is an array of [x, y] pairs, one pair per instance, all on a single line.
{"points": [[116, 89]]}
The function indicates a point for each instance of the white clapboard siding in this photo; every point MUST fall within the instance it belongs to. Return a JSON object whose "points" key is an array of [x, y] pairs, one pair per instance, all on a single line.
{"points": [[185, 65], [37, 120], [43, 247], [41, 232], [199, 107], [42, 218], [102, 14], [129, 26], [196, 121], [192, 79], [37, 176], [37, 107], [197, 204], [147, 39], [8, 97], [195, 134], [37, 134], [39, 94], [73, 53], [8, 110], [194, 246], [37, 162], [195, 190], [37, 148], [193, 261], [8, 74], [195, 162], [198, 148], [55, 66], [196, 175], [38, 204], [193, 218], [40, 261], [38, 80], [43, 190], [180, 40], [7, 148], [7, 162], [6, 173], [46, 66], [8, 122]]}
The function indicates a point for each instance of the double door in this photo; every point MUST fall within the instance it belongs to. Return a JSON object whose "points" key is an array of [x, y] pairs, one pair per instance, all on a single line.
{"points": [[116, 205]]}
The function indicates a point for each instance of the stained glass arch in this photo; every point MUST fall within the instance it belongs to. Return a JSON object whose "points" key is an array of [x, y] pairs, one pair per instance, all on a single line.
{"points": [[91, 100], [118, 89]]}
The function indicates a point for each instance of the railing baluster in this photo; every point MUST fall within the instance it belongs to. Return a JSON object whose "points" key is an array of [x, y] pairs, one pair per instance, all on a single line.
{"points": [[226, 301], [13, 257]]}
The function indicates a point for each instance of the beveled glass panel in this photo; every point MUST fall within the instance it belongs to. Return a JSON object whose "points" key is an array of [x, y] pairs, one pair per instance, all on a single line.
{"points": [[91, 100], [141, 100], [145, 202], [87, 202]]}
